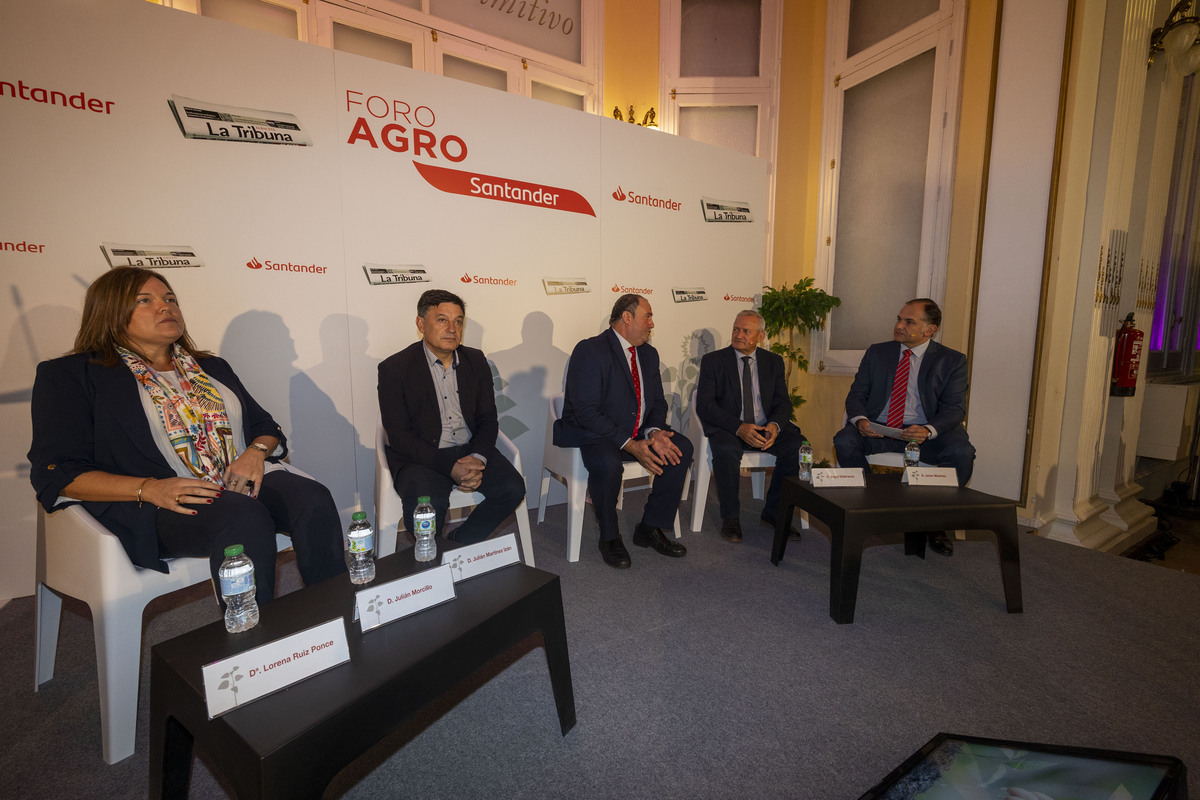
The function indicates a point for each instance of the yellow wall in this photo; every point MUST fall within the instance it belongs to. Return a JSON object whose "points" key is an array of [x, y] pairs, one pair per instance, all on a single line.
{"points": [[798, 176], [630, 56], [974, 124]]}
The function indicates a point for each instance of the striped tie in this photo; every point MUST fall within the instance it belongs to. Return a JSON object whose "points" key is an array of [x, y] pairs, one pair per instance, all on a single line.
{"points": [[895, 417], [637, 389]]}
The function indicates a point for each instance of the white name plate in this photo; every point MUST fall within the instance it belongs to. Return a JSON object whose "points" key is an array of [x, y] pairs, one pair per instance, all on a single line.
{"points": [[241, 679], [837, 476], [388, 602], [476, 559], [931, 476]]}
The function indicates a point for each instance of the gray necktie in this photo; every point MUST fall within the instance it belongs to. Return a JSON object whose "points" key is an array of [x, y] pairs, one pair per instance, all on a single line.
{"points": [[747, 392]]}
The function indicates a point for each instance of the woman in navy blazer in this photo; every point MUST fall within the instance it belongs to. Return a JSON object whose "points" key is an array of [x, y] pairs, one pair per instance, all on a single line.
{"points": [[162, 443]]}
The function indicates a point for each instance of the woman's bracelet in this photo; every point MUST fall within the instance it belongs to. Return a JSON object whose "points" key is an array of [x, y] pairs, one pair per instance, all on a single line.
{"points": [[139, 490]]}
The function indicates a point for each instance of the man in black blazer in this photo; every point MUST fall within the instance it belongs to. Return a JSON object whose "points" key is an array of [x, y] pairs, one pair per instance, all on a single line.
{"points": [[612, 419], [438, 406], [935, 400], [728, 377]]}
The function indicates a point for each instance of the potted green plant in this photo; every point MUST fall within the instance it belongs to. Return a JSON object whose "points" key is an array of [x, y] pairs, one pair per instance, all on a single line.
{"points": [[791, 312]]}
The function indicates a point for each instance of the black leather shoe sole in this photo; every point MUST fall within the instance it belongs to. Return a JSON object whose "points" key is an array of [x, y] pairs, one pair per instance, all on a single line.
{"points": [[941, 544], [653, 537]]}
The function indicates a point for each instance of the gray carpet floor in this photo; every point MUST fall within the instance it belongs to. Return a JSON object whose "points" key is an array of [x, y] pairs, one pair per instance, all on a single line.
{"points": [[715, 676]]}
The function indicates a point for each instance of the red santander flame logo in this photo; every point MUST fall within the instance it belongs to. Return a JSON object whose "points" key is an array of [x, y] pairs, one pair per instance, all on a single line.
{"points": [[616, 288], [619, 195], [254, 263], [726, 297], [466, 278]]}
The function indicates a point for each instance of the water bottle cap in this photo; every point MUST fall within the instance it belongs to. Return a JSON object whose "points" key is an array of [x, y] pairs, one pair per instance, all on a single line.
{"points": [[357, 515], [233, 550], [423, 498]]}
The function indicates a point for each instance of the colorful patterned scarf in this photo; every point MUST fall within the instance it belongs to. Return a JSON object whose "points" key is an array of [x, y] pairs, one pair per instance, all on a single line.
{"points": [[194, 419]]}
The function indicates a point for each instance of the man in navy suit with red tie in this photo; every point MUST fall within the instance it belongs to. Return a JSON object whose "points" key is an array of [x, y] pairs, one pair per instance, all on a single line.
{"points": [[742, 401], [614, 412], [928, 403]]}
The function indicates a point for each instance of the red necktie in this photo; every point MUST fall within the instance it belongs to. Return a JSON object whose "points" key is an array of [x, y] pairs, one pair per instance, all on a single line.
{"points": [[895, 417], [637, 388]]}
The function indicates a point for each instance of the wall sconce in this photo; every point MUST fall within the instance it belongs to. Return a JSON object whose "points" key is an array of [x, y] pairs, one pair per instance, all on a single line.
{"points": [[647, 118], [1178, 38]]}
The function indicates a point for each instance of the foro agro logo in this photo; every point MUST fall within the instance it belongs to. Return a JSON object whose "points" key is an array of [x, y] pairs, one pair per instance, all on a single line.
{"points": [[285, 266], [619, 195]]}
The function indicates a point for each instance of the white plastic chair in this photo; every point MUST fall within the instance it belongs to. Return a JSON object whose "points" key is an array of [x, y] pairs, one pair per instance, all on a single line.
{"points": [[754, 460], [566, 464], [78, 556], [389, 508]]}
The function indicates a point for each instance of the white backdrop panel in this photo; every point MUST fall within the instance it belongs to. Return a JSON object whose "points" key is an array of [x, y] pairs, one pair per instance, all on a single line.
{"points": [[492, 253], [307, 342], [660, 249]]}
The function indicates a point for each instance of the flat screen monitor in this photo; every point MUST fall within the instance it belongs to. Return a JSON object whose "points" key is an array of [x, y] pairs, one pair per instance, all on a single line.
{"points": [[954, 767]]}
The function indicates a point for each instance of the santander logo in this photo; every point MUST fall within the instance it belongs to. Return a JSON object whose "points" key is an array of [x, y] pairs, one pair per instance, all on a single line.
{"points": [[650, 201], [741, 298], [285, 266], [487, 280], [619, 289]]}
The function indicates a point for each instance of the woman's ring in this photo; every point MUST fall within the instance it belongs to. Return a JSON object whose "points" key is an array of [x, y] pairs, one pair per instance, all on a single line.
{"points": [[177, 501]]}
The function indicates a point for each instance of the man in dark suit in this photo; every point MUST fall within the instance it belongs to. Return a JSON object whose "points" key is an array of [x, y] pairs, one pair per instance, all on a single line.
{"points": [[743, 404], [615, 411], [929, 408], [438, 406]]}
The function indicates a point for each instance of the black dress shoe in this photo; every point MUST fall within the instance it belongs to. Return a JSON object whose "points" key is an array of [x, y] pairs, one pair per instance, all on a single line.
{"points": [[731, 530], [645, 536], [940, 543], [614, 553], [769, 520]]}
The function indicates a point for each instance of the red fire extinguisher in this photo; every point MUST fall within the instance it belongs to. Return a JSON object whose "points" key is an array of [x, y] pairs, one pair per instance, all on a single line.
{"points": [[1126, 359]]}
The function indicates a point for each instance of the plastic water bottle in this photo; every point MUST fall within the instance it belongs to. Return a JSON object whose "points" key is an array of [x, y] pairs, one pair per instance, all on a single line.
{"points": [[806, 461], [424, 528], [360, 549], [237, 589], [912, 454]]}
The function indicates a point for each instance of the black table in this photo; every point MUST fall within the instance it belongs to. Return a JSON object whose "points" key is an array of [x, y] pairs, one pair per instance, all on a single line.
{"points": [[885, 505], [291, 744]]}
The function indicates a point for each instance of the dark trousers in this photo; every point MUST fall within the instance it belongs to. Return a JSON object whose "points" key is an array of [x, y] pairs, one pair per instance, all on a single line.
{"points": [[288, 503], [503, 489], [727, 450], [949, 449], [605, 465]]}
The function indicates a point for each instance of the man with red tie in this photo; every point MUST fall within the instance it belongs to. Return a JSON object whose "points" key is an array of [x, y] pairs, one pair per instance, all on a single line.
{"points": [[614, 411], [917, 385]]}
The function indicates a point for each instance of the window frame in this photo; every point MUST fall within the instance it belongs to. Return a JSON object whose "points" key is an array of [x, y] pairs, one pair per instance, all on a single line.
{"points": [[943, 31], [396, 20], [676, 92]]}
